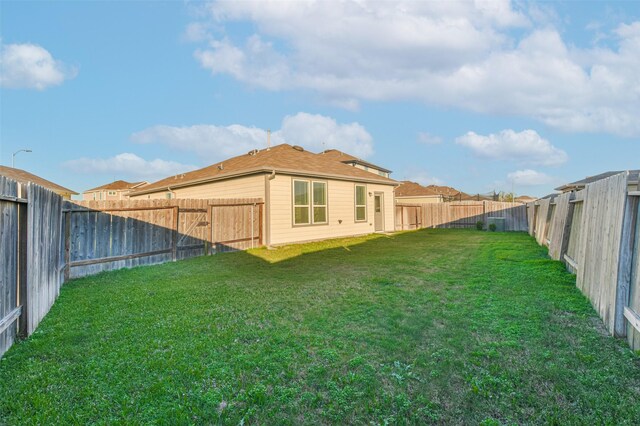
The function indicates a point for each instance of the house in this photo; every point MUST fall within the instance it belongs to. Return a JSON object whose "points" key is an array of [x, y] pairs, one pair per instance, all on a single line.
{"points": [[307, 196], [25, 177], [524, 199], [413, 193], [117, 190], [581, 184], [356, 162]]}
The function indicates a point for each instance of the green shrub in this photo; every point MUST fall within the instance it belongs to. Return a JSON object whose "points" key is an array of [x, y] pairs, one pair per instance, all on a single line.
{"points": [[479, 225], [492, 227]]}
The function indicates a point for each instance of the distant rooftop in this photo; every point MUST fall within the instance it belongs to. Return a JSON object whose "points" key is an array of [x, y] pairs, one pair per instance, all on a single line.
{"points": [[23, 176], [347, 158], [117, 185]]}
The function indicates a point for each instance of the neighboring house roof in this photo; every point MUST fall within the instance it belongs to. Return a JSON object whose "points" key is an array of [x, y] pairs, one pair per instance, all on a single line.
{"points": [[347, 158], [282, 158], [413, 189], [525, 199], [117, 185], [23, 176], [580, 184]]}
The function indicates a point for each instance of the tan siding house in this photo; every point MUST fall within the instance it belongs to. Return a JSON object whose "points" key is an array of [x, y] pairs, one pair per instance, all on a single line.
{"points": [[117, 190], [307, 196]]}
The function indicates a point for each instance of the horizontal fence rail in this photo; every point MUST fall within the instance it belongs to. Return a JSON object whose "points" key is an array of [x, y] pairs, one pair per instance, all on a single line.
{"points": [[596, 233]]}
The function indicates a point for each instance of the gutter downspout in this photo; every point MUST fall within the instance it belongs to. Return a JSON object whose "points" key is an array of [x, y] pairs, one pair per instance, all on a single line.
{"points": [[267, 207]]}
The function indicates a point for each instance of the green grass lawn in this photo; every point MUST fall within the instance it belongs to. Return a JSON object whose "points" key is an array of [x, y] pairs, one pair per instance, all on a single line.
{"points": [[434, 326]]}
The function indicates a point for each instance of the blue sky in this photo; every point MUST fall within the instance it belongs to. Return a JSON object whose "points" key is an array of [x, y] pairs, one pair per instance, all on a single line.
{"points": [[491, 95]]}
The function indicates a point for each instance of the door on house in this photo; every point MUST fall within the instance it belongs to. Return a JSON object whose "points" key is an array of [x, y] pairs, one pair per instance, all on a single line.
{"points": [[378, 208]]}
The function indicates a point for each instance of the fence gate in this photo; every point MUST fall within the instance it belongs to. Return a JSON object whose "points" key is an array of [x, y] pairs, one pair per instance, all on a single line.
{"points": [[237, 224], [13, 227]]}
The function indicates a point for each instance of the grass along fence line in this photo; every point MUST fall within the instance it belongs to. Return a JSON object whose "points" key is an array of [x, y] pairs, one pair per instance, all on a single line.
{"points": [[382, 329]]}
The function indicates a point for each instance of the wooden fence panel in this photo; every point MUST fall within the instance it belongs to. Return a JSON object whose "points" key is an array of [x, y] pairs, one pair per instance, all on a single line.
{"points": [[460, 214], [236, 223], [541, 220], [599, 248], [108, 235], [44, 259], [9, 264], [633, 310], [515, 214], [560, 225]]}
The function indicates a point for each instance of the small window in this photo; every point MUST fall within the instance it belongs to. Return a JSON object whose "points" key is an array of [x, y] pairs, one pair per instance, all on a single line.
{"points": [[301, 202], [112, 192], [361, 203], [319, 202], [169, 195]]}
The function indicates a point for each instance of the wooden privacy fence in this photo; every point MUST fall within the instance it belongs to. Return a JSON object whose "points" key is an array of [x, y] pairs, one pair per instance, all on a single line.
{"points": [[107, 235], [31, 266], [45, 241], [596, 233], [460, 214]]}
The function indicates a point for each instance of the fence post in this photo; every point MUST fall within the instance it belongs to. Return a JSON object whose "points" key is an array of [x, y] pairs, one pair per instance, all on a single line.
{"points": [[67, 245], [207, 242], [23, 210], [260, 224], [174, 235], [625, 264]]}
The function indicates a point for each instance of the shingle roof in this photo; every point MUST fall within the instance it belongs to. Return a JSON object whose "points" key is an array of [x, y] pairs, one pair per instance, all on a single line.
{"points": [[116, 185], [633, 175], [25, 177], [348, 158], [282, 158], [413, 189]]}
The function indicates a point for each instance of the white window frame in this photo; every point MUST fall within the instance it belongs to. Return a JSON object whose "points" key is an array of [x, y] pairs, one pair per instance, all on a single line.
{"points": [[314, 205]]}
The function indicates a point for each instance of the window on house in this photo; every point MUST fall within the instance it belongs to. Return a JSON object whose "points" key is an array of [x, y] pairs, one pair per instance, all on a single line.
{"points": [[309, 202], [301, 201], [112, 192], [361, 203], [319, 202], [169, 195]]}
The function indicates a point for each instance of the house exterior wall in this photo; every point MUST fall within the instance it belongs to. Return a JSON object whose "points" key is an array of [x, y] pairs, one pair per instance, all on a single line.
{"points": [[420, 200], [241, 187], [370, 169], [340, 207], [105, 195]]}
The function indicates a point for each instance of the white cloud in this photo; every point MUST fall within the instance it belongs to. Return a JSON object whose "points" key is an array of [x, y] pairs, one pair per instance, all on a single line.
{"points": [[128, 165], [526, 147], [318, 132], [427, 139], [29, 66], [457, 54], [314, 132], [529, 177], [208, 141]]}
